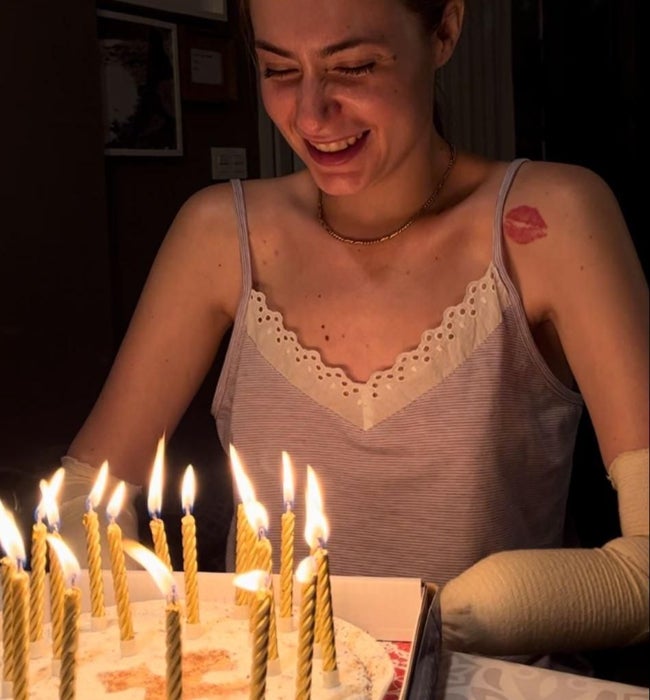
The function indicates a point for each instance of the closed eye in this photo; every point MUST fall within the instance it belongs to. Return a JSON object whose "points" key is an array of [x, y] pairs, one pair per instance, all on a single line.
{"points": [[276, 73], [357, 70]]}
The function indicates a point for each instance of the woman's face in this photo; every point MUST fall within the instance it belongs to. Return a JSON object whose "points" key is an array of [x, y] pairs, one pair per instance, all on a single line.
{"points": [[349, 83]]}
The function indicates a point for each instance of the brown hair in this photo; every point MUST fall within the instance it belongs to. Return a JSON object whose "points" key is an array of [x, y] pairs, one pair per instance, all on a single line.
{"points": [[429, 11]]}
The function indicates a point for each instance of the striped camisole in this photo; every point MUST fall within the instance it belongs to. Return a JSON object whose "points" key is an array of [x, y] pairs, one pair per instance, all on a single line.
{"points": [[463, 448]]}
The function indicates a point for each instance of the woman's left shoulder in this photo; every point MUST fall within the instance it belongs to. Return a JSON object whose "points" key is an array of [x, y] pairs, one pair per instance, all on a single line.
{"points": [[569, 201]]}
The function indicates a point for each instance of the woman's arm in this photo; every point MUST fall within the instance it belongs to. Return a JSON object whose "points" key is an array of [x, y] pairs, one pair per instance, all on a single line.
{"points": [[187, 304], [585, 278]]}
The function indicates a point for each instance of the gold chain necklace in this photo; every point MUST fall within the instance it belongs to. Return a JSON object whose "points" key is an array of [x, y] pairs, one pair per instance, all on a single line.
{"points": [[371, 241]]}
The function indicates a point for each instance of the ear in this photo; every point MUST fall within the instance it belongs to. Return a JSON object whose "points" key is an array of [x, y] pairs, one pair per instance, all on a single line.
{"points": [[446, 36]]}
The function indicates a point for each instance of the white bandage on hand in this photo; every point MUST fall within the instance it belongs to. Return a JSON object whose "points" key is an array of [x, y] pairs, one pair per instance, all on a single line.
{"points": [[541, 601], [77, 485]]}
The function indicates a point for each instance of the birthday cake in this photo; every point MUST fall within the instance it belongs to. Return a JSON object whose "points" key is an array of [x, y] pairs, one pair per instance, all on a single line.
{"points": [[216, 663]]}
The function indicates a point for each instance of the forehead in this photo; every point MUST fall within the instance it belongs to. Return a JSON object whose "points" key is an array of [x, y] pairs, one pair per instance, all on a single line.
{"points": [[323, 22]]}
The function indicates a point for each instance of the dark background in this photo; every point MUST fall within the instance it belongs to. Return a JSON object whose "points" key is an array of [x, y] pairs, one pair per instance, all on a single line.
{"points": [[79, 230]]}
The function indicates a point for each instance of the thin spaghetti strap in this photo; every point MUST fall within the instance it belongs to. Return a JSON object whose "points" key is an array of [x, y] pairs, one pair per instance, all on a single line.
{"points": [[244, 247], [497, 235], [224, 384]]}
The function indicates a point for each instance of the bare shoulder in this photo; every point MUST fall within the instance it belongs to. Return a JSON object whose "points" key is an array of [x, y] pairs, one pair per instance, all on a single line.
{"points": [[574, 204]]}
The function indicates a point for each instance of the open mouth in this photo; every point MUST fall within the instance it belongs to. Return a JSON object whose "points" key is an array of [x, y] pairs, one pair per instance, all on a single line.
{"points": [[334, 152], [335, 146]]}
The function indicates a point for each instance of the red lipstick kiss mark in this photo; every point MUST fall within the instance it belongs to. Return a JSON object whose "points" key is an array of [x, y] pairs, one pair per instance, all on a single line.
{"points": [[524, 224]]}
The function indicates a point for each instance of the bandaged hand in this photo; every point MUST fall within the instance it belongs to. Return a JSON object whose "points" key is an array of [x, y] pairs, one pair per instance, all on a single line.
{"points": [[541, 601], [77, 485]]}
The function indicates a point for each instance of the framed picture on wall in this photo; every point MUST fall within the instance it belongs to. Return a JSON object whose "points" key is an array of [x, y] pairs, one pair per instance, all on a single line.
{"points": [[207, 64], [140, 85], [209, 9]]}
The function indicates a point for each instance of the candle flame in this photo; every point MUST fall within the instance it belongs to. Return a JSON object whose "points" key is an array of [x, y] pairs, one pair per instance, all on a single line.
{"points": [[69, 563], [161, 575], [115, 503], [10, 537], [257, 516], [255, 580], [306, 570], [287, 472], [56, 482], [154, 500], [316, 526], [188, 489], [100, 484], [49, 504], [244, 485]]}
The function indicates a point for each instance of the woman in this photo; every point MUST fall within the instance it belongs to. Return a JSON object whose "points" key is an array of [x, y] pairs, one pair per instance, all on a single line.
{"points": [[414, 323]]}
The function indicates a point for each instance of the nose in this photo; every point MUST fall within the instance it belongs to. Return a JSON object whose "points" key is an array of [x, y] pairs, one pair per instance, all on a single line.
{"points": [[315, 105]]}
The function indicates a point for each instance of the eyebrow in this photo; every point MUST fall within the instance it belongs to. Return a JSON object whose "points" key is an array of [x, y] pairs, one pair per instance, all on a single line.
{"points": [[329, 50]]}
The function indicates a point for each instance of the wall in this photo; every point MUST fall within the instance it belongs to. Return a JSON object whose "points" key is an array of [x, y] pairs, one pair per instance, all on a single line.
{"points": [[55, 331], [79, 233]]}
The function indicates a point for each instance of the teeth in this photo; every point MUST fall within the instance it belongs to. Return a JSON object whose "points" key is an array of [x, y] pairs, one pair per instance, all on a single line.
{"points": [[334, 146]]}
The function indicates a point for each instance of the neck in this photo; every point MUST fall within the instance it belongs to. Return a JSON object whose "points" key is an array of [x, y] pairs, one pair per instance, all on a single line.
{"points": [[388, 205]]}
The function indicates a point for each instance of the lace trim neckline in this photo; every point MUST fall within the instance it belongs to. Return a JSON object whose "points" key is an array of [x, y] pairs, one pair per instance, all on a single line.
{"points": [[441, 349]]}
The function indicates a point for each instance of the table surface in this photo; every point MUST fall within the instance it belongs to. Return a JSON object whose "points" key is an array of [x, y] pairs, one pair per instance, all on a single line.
{"points": [[470, 677]]}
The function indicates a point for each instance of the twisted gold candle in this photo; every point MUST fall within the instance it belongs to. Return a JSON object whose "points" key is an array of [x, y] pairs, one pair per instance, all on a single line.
{"points": [[20, 631], [325, 618], [306, 574], [7, 567], [188, 530], [190, 567], [263, 561], [173, 651], [37, 581], [261, 624], [286, 564], [288, 525], [93, 549], [157, 527], [246, 535], [118, 570], [244, 543], [56, 600], [154, 505], [71, 610]]}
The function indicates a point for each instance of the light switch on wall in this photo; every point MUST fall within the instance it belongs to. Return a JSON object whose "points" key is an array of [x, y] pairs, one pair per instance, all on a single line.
{"points": [[228, 163]]}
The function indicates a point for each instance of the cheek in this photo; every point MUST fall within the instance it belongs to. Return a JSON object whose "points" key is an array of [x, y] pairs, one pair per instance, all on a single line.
{"points": [[277, 101]]}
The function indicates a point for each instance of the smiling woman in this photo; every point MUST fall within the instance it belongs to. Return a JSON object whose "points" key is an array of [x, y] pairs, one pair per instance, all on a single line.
{"points": [[417, 323]]}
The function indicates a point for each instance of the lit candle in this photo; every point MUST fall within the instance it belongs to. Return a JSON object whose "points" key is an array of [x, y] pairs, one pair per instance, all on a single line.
{"points": [[94, 552], [118, 570], [7, 567], [154, 504], [71, 610], [306, 576], [286, 551], [17, 580], [317, 532], [49, 492], [37, 582], [257, 582], [173, 641], [188, 528], [263, 561], [245, 535]]}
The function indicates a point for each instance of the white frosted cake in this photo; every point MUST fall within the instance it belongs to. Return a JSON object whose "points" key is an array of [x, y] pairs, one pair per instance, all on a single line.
{"points": [[215, 664]]}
